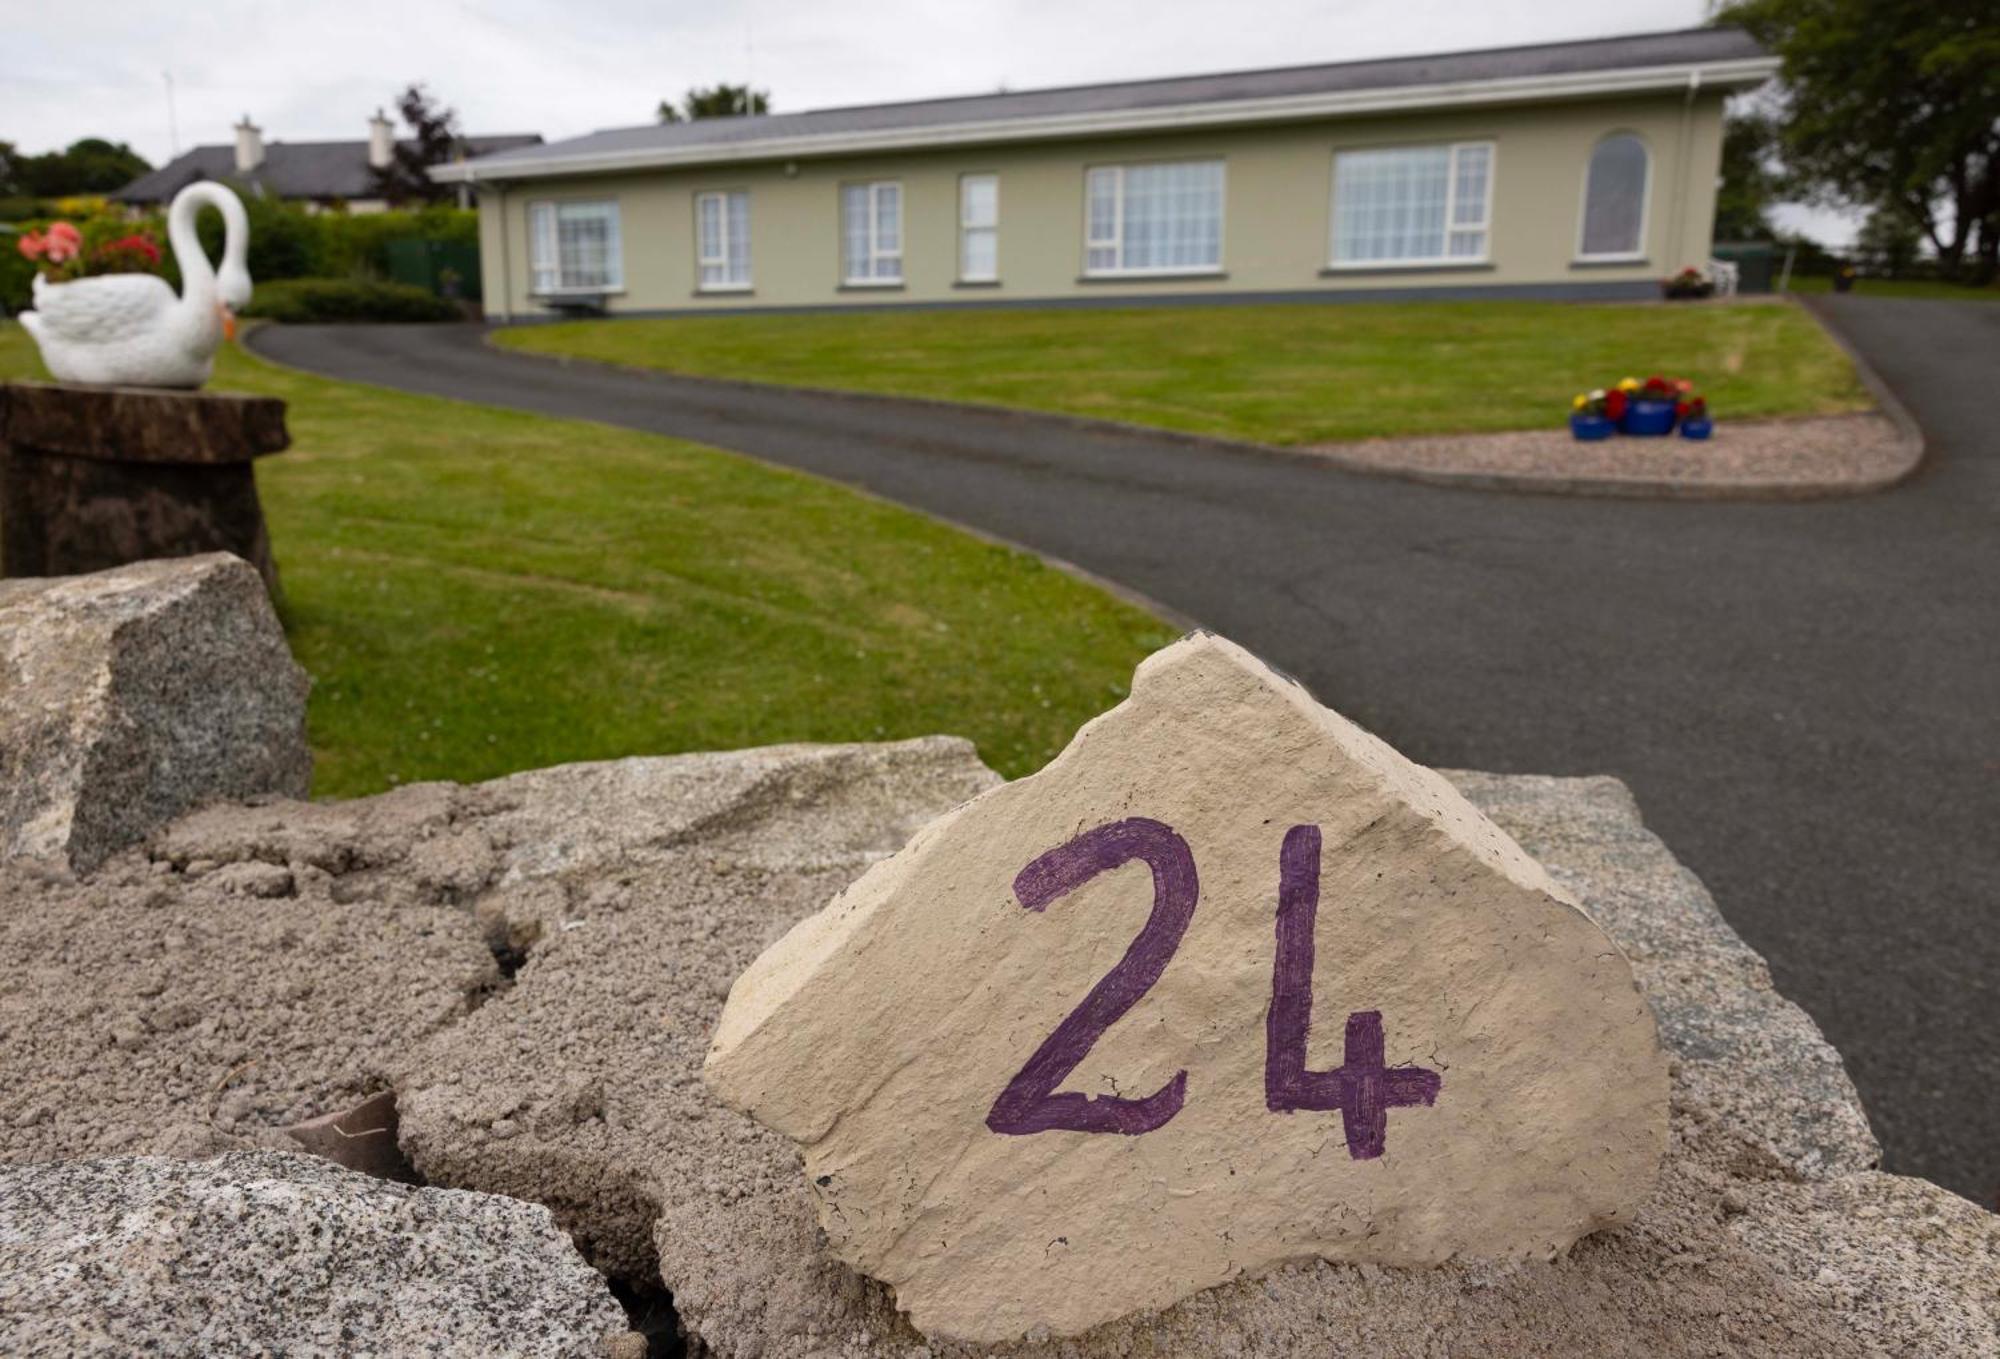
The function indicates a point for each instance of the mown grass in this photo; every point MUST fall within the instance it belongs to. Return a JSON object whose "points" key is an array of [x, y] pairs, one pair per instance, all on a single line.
{"points": [[476, 591], [1284, 374], [1927, 288]]}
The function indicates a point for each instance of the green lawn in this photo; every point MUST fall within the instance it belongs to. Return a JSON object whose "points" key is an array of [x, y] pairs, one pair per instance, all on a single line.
{"points": [[1286, 374], [476, 591], [1898, 287]]}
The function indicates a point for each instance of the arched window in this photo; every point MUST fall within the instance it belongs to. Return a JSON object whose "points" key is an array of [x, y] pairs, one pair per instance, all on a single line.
{"points": [[1614, 198]]}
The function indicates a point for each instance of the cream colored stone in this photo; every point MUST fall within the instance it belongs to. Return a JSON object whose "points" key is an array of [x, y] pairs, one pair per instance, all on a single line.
{"points": [[880, 1033]]}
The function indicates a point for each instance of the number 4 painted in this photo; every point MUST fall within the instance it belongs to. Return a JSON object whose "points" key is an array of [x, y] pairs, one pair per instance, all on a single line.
{"points": [[1362, 1088]]}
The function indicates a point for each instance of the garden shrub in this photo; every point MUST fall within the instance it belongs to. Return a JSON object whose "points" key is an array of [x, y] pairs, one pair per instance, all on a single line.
{"points": [[318, 300], [286, 241], [358, 244]]}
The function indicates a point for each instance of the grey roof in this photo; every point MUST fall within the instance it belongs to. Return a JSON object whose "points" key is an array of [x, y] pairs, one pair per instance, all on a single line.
{"points": [[1546, 59], [316, 170]]}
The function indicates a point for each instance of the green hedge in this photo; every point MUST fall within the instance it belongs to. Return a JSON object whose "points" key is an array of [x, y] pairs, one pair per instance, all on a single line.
{"points": [[309, 300], [288, 242], [285, 241]]}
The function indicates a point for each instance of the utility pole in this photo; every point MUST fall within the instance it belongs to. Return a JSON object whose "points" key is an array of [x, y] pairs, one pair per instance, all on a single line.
{"points": [[173, 121]]}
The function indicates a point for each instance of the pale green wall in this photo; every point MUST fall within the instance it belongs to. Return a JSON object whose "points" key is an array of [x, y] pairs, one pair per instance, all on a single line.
{"points": [[1276, 218]]}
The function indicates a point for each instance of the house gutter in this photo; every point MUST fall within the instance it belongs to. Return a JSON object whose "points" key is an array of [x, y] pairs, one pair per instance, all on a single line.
{"points": [[1741, 73], [1674, 262], [506, 254]]}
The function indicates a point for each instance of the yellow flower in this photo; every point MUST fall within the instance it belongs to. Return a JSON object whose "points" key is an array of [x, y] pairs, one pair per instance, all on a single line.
{"points": [[1580, 402], [1628, 384]]}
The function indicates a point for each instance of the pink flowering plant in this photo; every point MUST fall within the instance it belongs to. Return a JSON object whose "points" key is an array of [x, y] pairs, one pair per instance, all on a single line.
{"points": [[62, 251]]}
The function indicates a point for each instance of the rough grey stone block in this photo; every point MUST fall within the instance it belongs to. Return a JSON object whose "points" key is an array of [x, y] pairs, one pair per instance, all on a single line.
{"points": [[1745, 1051], [633, 893], [131, 696], [264, 1253]]}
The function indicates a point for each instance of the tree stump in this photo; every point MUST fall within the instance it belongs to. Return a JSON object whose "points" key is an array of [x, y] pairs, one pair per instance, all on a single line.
{"points": [[97, 477]]}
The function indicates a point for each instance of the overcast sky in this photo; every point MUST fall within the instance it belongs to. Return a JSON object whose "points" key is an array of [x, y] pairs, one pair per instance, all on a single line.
{"points": [[315, 69]]}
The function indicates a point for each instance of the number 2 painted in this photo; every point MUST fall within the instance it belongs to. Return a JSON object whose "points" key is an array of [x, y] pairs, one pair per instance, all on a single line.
{"points": [[1363, 1088]]}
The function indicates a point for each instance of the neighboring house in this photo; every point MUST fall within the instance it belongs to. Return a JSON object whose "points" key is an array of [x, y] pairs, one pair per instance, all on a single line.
{"points": [[1570, 170], [319, 175]]}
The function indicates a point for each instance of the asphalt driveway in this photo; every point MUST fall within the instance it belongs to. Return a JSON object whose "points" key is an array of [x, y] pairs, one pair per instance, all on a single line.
{"points": [[1803, 697]]}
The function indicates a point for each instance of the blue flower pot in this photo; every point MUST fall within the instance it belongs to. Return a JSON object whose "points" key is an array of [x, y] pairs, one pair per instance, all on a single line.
{"points": [[1591, 427], [1699, 428], [1647, 419]]}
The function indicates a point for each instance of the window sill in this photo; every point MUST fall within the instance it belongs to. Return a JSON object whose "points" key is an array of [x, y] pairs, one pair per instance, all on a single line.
{"points": [[1610, 262], [1152, 275], [976, 283], [730, 290], [887, 285], [574, 294], [1410, 267]]}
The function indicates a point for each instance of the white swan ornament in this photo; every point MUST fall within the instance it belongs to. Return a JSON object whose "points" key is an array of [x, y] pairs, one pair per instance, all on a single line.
{"points": [[130, 329]]}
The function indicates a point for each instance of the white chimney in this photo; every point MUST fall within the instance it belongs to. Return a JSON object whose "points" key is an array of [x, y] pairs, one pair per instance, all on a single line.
{"points": [[381, 141], [249, 146]]}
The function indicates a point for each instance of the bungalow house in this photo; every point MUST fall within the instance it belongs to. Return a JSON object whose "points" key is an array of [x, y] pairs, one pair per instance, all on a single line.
{"points": [[318, 175], [1580, 169]]}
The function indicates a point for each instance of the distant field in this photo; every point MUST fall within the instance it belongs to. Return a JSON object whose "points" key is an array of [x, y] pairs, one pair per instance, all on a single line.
{"points": [[1900, 287], [477, 591], [1285, 374]]}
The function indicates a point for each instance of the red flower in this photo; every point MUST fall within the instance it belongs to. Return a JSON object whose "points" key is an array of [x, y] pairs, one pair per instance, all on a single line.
{"points": [[135, 244], [32, 244], [1614, 404]]}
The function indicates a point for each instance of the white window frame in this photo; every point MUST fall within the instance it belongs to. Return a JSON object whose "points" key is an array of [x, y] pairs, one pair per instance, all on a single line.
{"points": [[539, 266], [1116, 240], [966, 227], [876, 254], [702, 263], [1451, 224], [1637, 256]]}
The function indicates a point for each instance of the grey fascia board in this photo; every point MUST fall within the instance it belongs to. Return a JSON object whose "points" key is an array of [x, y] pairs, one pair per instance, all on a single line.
{"points": [[1740, 74]]}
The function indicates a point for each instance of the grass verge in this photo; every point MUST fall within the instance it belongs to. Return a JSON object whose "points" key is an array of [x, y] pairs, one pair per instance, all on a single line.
{"points": [[1282, 374], [477, 591], [1929, 289]]}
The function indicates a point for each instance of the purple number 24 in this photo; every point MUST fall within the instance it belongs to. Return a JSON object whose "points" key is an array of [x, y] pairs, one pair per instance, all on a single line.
{"points": [[1363, 1088]]}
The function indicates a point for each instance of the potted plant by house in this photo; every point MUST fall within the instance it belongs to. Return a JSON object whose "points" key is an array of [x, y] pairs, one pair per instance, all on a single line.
{"points": [[1689, 285], [1692, 414], [1594, 415], [1649, 407]]}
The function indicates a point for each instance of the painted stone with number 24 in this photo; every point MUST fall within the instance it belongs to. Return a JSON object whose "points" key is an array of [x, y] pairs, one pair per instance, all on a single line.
{"points": [[1230, 982]]}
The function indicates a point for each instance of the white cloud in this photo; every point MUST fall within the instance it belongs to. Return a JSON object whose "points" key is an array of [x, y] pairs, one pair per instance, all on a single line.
{"points": [[314, 69]]}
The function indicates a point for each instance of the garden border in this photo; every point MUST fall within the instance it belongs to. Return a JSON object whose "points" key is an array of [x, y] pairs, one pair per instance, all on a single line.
{"points": [[1910, 436]]}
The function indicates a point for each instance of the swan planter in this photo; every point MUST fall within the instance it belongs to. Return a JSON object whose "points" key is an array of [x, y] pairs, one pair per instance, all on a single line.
{"points": [[130, 329]]}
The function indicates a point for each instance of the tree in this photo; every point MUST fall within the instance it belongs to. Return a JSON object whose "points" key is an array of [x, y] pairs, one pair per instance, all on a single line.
{"points": [[1889, 242], [716, 101], [94, 165], [1749, 180], [89, 166], [434, 140], [1893, 104]]}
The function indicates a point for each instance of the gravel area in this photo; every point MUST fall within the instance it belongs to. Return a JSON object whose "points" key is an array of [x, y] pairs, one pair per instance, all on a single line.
{"points": [[1824, 455]]}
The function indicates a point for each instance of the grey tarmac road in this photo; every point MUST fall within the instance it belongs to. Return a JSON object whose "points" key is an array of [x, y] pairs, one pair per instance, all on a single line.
{"points": [[1803, 696]]}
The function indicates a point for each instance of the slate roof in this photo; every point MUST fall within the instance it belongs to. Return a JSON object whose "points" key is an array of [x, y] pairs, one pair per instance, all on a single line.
{"points": [[316, 170], [1684, 47]]}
